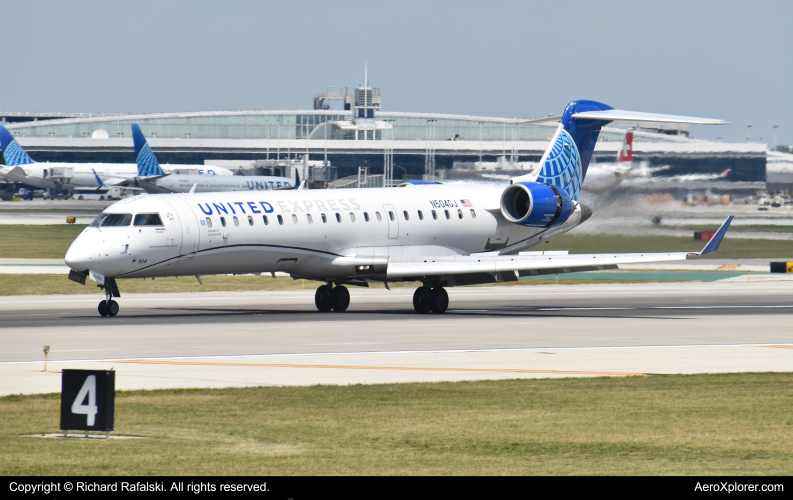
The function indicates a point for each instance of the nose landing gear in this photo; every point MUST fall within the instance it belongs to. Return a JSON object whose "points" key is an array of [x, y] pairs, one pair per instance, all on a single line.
{"points": [[329, 297], [109, 307], [427, 300]]}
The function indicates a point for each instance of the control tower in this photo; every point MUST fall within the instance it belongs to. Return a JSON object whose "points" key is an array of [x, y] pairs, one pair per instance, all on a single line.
{"points": [[364, 102]]}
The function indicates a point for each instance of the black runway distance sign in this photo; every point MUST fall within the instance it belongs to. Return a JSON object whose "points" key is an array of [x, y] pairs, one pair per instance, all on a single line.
{"points": [[87, 400]]}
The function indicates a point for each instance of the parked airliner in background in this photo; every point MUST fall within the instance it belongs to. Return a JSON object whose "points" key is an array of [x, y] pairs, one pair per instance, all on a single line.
{"points": [[439, 235], [153, 179], [20, 167], [604, 177]]}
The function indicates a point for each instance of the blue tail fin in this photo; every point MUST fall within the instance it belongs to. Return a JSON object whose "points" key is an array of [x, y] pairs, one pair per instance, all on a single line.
{"points": [[565, 163], [147, 162], [13, 154]]}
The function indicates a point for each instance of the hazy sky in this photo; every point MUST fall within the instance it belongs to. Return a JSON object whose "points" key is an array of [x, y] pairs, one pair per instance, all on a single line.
{"points": [[720, 59]]}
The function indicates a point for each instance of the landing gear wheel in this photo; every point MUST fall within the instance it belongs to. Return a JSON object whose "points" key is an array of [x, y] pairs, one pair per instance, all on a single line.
{"points": [[103, 308], [322, 298], [421, 302], [438, 300], [112, 308], [340, 298]]}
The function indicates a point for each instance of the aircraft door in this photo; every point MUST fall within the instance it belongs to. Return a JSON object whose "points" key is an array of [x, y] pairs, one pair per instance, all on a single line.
{"points": [[393, 221], [189, 223]]}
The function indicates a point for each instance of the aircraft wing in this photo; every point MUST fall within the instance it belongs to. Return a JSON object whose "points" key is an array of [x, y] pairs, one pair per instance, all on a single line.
{"points": [[527, 265], [135, 180]]}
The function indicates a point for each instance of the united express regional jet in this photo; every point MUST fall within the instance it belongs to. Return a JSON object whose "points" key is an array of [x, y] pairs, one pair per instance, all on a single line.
{"points": [[438, 235]]}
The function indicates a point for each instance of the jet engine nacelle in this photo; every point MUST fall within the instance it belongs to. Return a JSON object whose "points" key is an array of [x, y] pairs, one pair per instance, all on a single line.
{"points": [[536, 204]]}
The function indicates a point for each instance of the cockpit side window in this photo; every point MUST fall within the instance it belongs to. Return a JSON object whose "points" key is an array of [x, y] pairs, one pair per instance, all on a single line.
{"points": [[98, 220], [148, 220], [117, 220]]}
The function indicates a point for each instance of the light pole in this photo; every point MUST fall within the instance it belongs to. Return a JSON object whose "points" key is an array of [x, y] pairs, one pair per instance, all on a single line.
{"points": [[775, 127], [748, 133]]}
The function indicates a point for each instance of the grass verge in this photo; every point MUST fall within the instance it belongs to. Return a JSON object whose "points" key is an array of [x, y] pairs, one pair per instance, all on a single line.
{"points": [[730, 424], [37, 241]]}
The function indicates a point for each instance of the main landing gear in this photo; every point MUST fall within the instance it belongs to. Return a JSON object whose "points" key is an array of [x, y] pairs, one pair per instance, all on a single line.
{"points": [[109, 307], [426, 299], [329, 297]]}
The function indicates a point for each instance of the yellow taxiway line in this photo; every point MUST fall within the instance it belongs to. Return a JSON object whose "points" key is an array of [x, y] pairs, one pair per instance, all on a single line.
{"points": [[354, 367]]}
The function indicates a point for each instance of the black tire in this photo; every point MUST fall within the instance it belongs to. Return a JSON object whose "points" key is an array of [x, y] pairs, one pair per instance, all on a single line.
{"points": [[103, 308], [101, 198], [322, 299], [80, 197], [438, 300], [340, 298], [421, 300], [112, 308]]}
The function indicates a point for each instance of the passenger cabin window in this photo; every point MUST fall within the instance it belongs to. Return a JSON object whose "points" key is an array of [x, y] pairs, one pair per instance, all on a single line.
{"points": [[266, 220], [405, 214], [421, 215], [294, 218], [338, 217], [379, 218], [473, 214], [391, 215], [250, 220], [223, 221], [366, 217], [236, 221], [324, 218], [434, 215], [148, 220], [309, 219], [352, 217], [209, 222], [117, 220], [98, 220], [459, 213], [447, 214], [280, 220]]}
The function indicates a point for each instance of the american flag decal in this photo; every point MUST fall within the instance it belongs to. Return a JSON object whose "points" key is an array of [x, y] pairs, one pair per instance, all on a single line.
{"points": [[466, 203]]}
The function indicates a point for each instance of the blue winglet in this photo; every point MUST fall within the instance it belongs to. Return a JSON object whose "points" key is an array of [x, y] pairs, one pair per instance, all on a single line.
{"points": [[714, 242], [297, 179]]}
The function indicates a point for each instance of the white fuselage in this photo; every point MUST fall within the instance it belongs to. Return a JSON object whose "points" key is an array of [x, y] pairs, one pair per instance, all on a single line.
{"points": [[85, 174], [317, 234], [210, 184], [605, 177]]}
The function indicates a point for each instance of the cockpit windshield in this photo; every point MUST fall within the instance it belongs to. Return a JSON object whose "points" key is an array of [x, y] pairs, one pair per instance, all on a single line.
{"points": [[98, 220], [148, 220], [117, 220]]}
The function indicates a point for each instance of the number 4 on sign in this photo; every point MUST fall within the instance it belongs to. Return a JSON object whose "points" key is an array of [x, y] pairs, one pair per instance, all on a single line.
{"points": [[90, 410]]}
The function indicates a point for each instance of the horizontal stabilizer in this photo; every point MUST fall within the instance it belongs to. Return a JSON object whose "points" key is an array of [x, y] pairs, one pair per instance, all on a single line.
{"points": [[637, 116]]}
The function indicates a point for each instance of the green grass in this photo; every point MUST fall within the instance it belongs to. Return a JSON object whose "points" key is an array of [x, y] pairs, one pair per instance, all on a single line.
{"points": [[729, 248], [759, 228], [731, 424], [37, 241]]}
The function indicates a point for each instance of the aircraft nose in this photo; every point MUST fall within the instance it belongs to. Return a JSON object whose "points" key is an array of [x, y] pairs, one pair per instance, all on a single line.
{"points": [[78, 257]]}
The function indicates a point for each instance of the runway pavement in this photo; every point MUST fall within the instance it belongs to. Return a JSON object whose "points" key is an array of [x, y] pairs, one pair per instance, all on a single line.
{"points": [[278, 338]]}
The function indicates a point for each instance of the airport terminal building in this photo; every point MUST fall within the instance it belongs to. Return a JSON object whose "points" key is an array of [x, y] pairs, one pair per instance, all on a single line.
{"points": [[402, 144]]}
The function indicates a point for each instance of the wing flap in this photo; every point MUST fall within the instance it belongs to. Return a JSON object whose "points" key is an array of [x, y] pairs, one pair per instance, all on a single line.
{"points": [[408, 267]]}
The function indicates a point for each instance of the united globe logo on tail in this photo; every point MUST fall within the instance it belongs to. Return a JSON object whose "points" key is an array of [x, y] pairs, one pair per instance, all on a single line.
{"points": [[562, 168]]}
